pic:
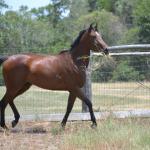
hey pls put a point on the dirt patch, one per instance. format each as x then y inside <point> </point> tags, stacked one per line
<point>29,136</point>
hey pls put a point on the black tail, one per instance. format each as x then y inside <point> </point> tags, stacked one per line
<point>3,58</point>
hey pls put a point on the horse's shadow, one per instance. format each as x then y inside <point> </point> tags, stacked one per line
<point>32,130</point>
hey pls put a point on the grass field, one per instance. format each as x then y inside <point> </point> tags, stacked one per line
<point>106,96</point>
<point>111,134</point>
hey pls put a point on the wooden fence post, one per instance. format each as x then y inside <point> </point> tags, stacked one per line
<point>87,88</point>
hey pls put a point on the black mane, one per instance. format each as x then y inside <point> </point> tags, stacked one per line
<point>77,40</point>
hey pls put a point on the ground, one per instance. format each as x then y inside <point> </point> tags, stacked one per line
<point>111,134</point>
<point>29,135</point>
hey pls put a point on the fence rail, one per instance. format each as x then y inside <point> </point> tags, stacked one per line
<point>130,47</point>
<point>124,54</point>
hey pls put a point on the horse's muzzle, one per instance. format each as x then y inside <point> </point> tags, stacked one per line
<point>106,52</point>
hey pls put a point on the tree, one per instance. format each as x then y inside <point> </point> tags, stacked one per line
<point>92,5</point>
<point>124,72</point>
<point>108,5</point>
<point>142,19</point>
<point>2,5</point>
<point>109,25</point>
<point>78,8</point>
<point>53,12</point>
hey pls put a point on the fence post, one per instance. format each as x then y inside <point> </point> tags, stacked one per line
<point>87,88</point>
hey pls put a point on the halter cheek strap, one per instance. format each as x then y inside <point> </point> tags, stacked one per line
<point>84,58</point>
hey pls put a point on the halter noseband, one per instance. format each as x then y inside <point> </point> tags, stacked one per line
<point>106,52</point>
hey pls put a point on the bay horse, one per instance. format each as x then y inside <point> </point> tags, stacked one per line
<point>64,71</point>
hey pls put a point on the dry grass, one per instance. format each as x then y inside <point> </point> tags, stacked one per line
<point>127,134</point>
<point>130,134</point>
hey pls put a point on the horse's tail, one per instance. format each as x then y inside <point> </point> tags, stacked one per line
<point>3,58</point>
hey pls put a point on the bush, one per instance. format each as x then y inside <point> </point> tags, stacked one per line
<point>124,72</point>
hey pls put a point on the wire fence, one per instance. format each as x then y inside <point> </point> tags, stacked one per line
<point>121,82</point>
<point>118,83</point>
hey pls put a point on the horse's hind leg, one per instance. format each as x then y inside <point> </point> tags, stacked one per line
<point>3,104</point>
<point>8,98</point>
<point>13,107</point>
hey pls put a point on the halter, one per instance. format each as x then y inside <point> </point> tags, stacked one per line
<point>84,57</point>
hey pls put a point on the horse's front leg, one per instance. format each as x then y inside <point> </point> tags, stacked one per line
<point>81,95</point>
<point>71,100</point>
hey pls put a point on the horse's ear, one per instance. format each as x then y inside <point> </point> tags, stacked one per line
<point>96,27</point>
<point>91,27</point>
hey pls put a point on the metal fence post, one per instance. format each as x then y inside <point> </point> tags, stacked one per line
<point>87,88</point>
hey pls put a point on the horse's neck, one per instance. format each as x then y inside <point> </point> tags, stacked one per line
<point>81,56</point>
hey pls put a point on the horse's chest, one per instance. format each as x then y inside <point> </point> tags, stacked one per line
<point>76,77</point>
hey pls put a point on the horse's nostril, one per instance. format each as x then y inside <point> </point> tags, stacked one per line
<point>106,51</point>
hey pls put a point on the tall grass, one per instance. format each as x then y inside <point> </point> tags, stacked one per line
<point>111,134</point>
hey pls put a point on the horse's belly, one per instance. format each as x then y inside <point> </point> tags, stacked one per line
<point>51,83</point>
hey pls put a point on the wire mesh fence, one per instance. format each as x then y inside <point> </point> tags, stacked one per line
<point>121,96</point>
<point>121,83</point>
<point>118,83</point>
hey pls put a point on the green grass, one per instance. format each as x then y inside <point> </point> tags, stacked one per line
<point>106,96</point>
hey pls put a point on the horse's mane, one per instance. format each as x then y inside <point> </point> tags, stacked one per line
<point>77,40</point>
<point>63,51</point>
<point>75,43</point>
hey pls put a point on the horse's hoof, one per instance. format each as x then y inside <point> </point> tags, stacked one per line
<point>94,126</point>
<point>63,126</point>
<point>13,123</point>
<point>5,128</point>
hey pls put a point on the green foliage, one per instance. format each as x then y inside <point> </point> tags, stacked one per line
<point>108,5</point>
<point>2,5</point>
<point>124,72</point>
<point>142,18</point>
<point>130,36</point>
<point>78,8</point>
<point>106,22</point>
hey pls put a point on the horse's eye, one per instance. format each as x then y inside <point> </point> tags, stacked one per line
<point>94,37</point>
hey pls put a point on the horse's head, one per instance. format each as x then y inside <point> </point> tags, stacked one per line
<point>93,39</point>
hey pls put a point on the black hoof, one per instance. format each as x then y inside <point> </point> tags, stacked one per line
<point>63,125</point>
<point>5,127</point>
<point>14,123</point>
<point>94,125</point>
